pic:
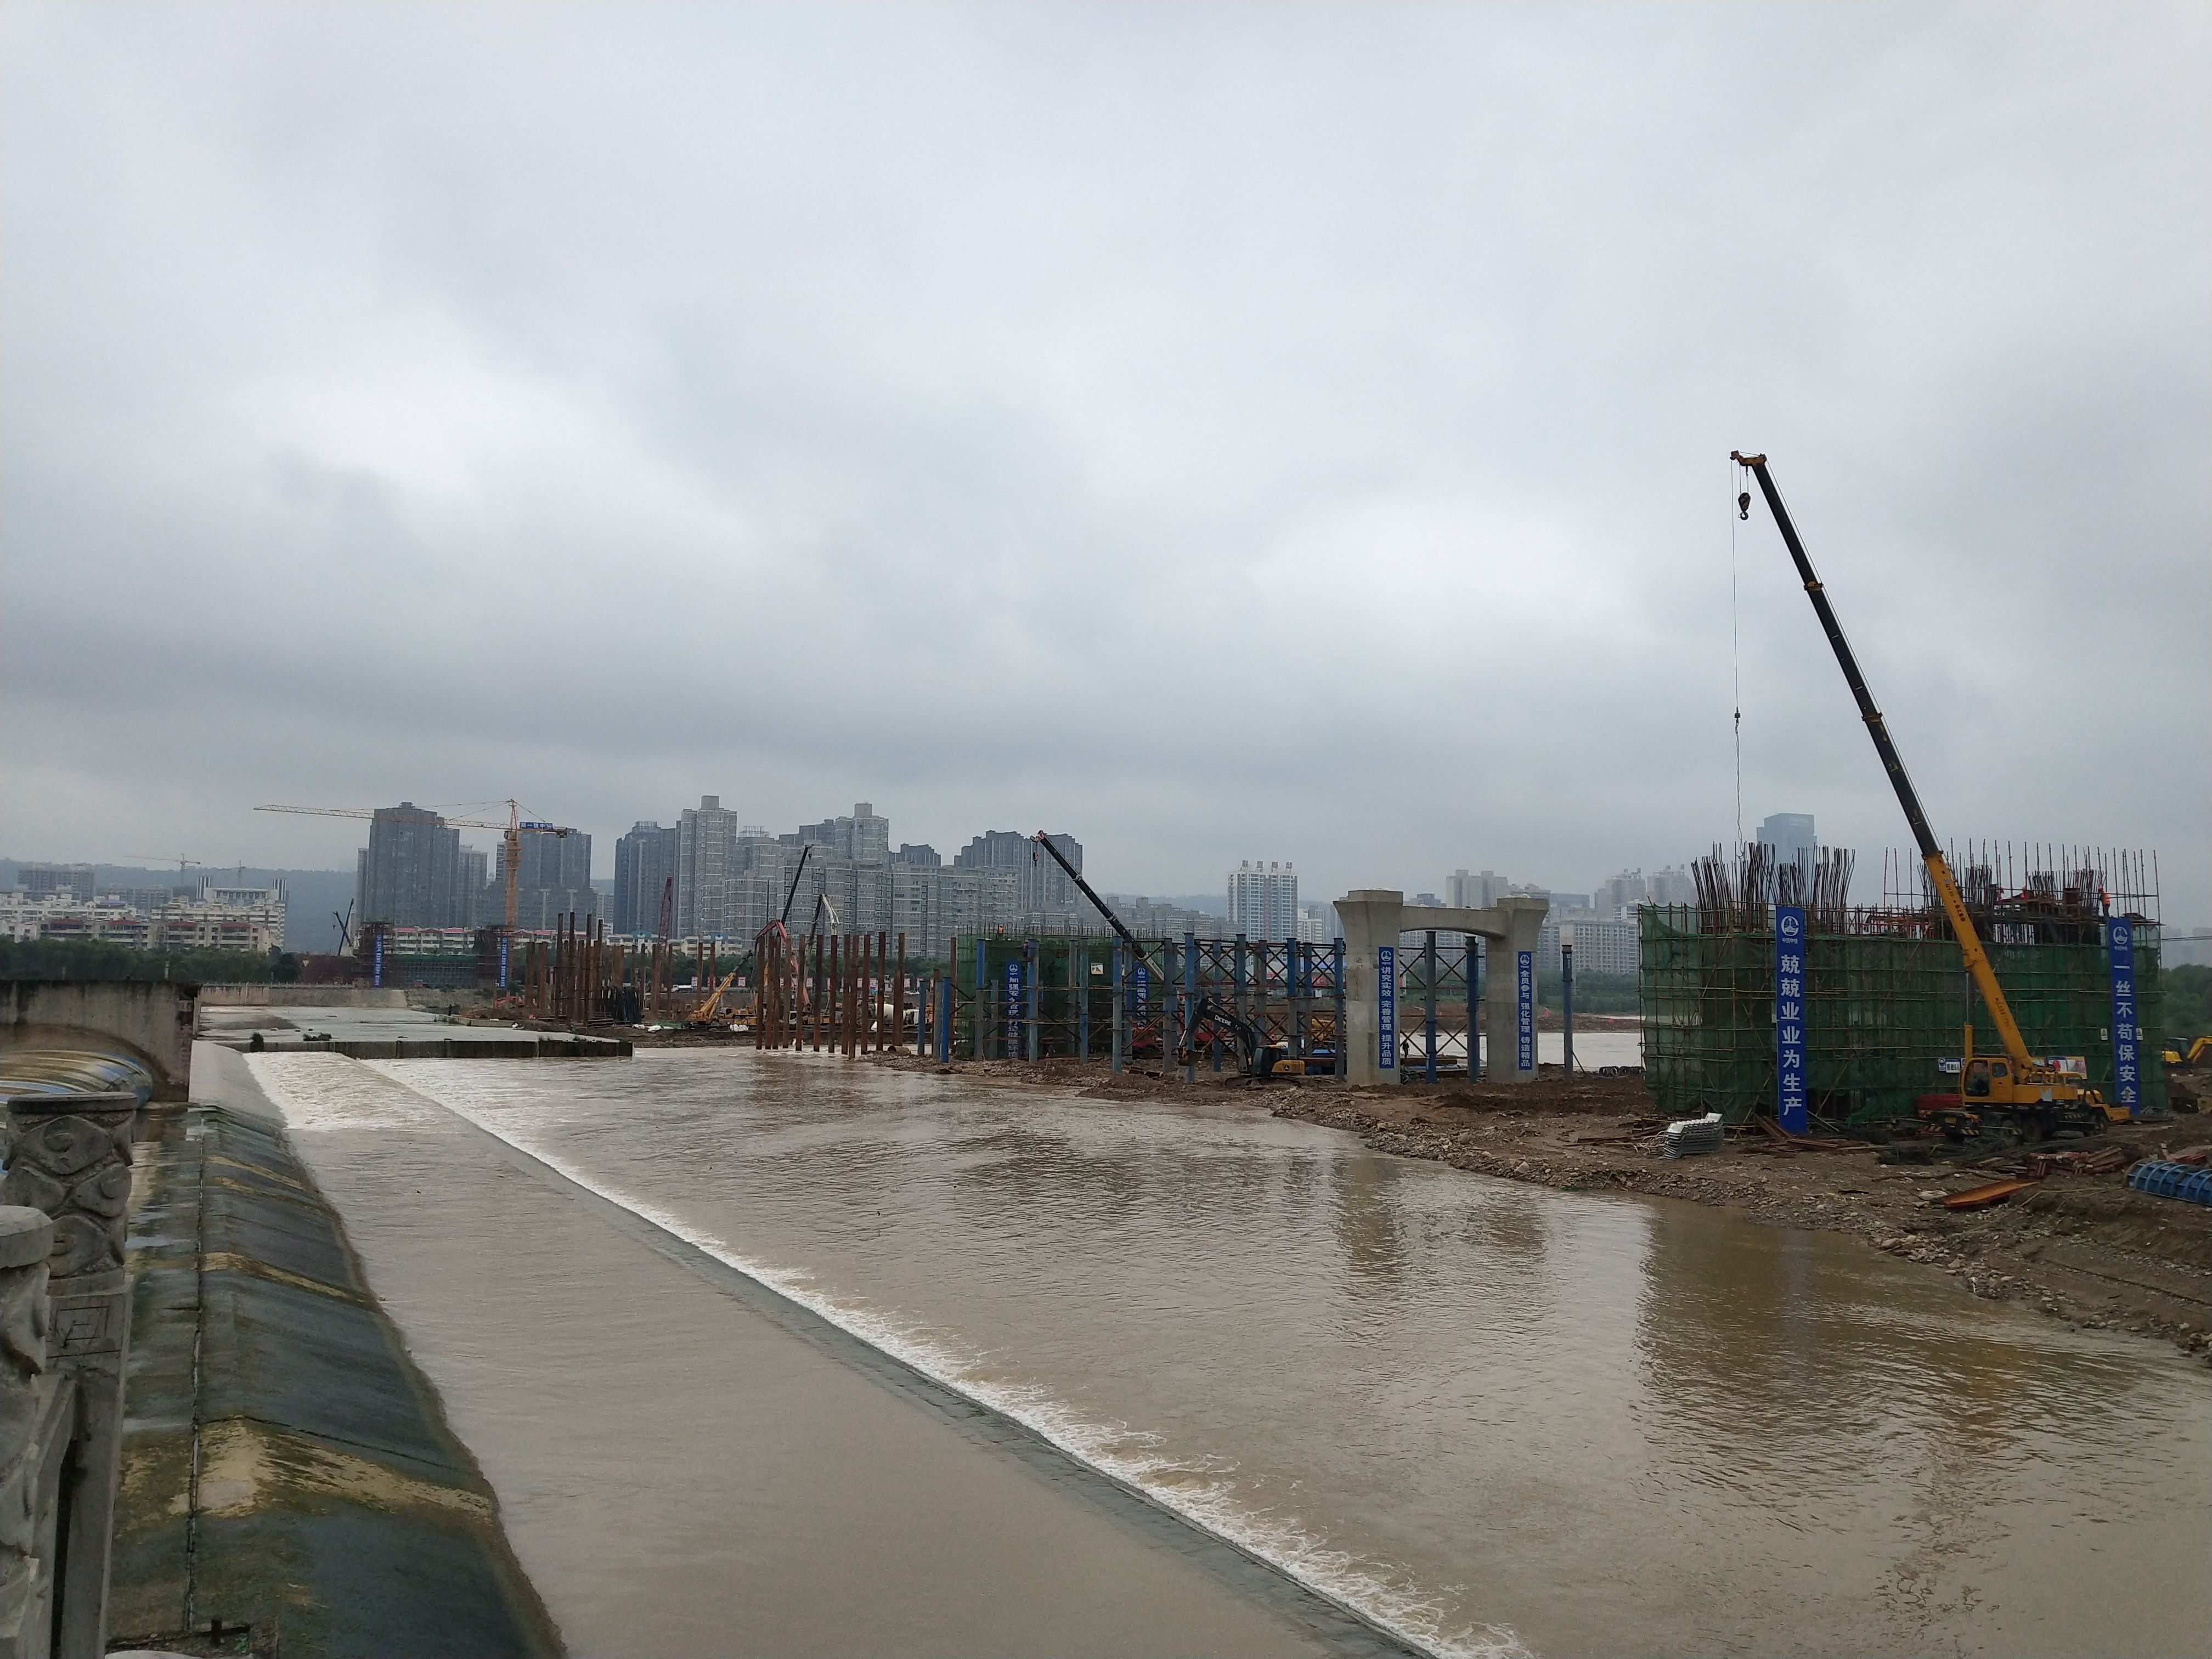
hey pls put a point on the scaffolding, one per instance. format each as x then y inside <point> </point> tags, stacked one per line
<point>1886,997</point>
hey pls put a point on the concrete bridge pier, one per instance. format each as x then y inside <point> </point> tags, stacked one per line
<point>1375,916</point>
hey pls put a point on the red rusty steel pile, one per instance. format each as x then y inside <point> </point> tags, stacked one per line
<point>850,999</point>
<point>579,975</point>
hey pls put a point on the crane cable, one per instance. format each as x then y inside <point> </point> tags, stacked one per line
<point>1735,652</point>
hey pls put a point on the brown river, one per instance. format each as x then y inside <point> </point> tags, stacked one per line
<point>1491,1417</point>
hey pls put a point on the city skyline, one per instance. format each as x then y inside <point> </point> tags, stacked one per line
<point>575,854</point>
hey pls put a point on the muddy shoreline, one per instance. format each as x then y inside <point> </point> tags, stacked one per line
<point>2080,1248</point>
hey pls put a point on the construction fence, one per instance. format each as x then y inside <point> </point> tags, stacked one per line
<point>1885,1003</point>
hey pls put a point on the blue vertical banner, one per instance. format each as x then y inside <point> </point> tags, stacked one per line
<point>376,973</point>
<point>1524,1010</point>
<point>1014,1046</point>
<point>1790,1017</point>
<point>1386,1006</point>
<point>2127,1036</point>
<point>503,943</point>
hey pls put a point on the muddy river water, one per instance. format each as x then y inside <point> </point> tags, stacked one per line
<point>1492,1417</point>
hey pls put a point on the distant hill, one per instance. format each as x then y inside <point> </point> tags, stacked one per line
<point>1207,904</point>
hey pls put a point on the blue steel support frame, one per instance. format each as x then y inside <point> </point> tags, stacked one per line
<point>1032,1039</point>
<point>1336,970</point>
<point>1115,974</point>
<point>985,996</point>
<point>1189,998</point>
<point>1429,1007</point>
<point>1473,1004</point>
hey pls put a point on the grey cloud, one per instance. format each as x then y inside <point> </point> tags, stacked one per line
<point>1297,431</point>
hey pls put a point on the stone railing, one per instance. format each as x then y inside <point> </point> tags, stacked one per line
<point>65,1326</point>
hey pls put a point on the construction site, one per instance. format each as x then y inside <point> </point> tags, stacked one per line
<point>1989,1035</point>
<point>1885,998</point>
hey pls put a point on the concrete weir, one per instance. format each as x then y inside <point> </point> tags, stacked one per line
<point>688,1462</point>
<point>287,1475</point>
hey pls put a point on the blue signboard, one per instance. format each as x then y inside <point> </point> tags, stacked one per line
<point>376,972</point>
<point>503,943</point>
<point>1014,1046</point>
<point>1386,1006</point>
<point>1790,1017</point>
<point>2127,1036</point>
<point>1524,1010</point>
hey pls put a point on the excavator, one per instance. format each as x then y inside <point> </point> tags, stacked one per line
<point>2189,1053</point>
<point>1259,1056</point>
<point>2017,1090</point>
<point>779,929</point>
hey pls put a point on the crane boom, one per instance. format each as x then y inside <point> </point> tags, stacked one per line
<point>1075,876</point>
<point>804,851</point>
<point>1939,869</point>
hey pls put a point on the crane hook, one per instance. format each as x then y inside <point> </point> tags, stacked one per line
<point>1744,505</point>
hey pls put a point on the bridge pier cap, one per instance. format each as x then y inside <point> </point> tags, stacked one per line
<point>1375,916</point>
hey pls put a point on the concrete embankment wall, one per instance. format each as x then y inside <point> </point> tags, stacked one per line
<point>285,1467</point>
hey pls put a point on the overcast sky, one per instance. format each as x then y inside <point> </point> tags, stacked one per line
<point>1229,432</point>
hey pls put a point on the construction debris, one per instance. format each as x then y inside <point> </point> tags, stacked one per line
<point>2161,1178</point>
<point>1989,1193</point>
<point>1686,1136</point>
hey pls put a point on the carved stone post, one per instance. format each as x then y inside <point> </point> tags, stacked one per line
<point>26,1611</point>
<point>69,1156</point>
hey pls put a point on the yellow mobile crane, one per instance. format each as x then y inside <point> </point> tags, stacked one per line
<point>2019,1087</point>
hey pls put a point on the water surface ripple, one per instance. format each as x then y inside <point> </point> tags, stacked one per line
<point>1490,1415</point>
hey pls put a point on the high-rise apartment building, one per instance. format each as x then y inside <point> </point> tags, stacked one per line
<point>553,880</point>
<point>1618,896</point>
<point>410,874</point>
<point>645,861</point>
<point>1042,887</point>
<point>1790,835</point>
<point>706,861</point>
<point>864,837</point>
<point>1263,900</point>
<point>1466,891</point>
<point>79,881</point>
<point>486,905</point>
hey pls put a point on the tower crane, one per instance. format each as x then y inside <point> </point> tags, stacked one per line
<point>512,831</point>
<point>2020,1085</point>
<point>182,864</point>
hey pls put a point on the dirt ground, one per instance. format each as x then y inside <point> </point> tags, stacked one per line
<point>2079,1248</point>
